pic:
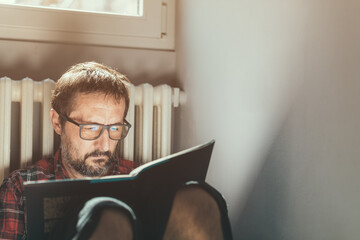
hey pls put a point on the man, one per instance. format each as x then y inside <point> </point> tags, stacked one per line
<point>89,107</point>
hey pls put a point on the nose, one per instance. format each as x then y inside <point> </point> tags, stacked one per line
<point>103,142</point>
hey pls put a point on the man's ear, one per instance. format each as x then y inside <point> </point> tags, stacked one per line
<point>55,120</point>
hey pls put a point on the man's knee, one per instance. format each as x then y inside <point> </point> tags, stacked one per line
<point>105,218</point>
<point>195,215</point>
<point>197,203</point>
<point>113,224</point>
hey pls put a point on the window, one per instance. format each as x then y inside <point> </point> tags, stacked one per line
<point>121,7</point>
<point>136,23</point>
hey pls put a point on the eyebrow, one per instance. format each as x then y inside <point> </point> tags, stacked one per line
<point>96,123</point>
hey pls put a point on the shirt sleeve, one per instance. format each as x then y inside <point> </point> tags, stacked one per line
<point>12,221</point>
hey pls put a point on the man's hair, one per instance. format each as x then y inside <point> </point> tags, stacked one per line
<point>89,77</point>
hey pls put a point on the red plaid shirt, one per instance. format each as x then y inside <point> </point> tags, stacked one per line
<point>12,213</point>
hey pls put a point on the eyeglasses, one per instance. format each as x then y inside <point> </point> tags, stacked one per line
<point>93,131</point>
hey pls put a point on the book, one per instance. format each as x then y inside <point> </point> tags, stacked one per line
<point>149,190</point>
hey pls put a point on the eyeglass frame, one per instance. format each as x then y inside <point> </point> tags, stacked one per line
<point>127,124</point>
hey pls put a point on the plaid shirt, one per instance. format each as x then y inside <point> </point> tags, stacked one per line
<point>12,213</point>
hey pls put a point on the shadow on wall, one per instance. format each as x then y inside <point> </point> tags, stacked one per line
<point>154,80</point>
<point>263,215</point>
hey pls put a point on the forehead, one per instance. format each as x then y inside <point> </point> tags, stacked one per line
<point>96,103</point>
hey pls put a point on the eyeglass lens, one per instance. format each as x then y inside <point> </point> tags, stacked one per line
<point>93,131</point>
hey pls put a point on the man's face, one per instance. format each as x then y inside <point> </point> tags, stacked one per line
<point>90,157</point>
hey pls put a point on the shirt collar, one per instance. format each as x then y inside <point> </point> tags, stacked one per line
<point>60,172</point>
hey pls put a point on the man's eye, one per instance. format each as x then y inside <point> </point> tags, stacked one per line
<point>92,128</point>
<point>114,128</point>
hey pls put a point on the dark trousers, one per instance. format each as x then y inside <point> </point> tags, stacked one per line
<point>82,220</point>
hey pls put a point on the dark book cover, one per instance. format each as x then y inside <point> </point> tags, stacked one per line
<point>148,190</point>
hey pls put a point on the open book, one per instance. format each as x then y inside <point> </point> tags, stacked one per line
<point>148,190</point>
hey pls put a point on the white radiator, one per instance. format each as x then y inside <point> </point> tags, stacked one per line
<point>150,114</point>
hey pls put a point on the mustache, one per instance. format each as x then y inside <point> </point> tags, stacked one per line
<point>98,153</point>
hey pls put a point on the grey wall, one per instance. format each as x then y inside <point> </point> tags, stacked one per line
<point>276,83</point>
<point>37,60</point>
<point>308,187</point>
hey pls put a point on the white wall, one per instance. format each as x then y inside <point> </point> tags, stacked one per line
<point>240,63</point>
<point>276,83</point>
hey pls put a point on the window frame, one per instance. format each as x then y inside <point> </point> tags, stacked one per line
<point>154,30</point>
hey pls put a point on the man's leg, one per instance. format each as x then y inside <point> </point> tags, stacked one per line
<point>113,224</point>
<point>105,218</point>
<point>196,214</point>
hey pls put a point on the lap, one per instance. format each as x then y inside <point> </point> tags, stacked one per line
<point>195,208</point>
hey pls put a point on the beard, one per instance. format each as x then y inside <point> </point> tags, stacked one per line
<point>80,165</point>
